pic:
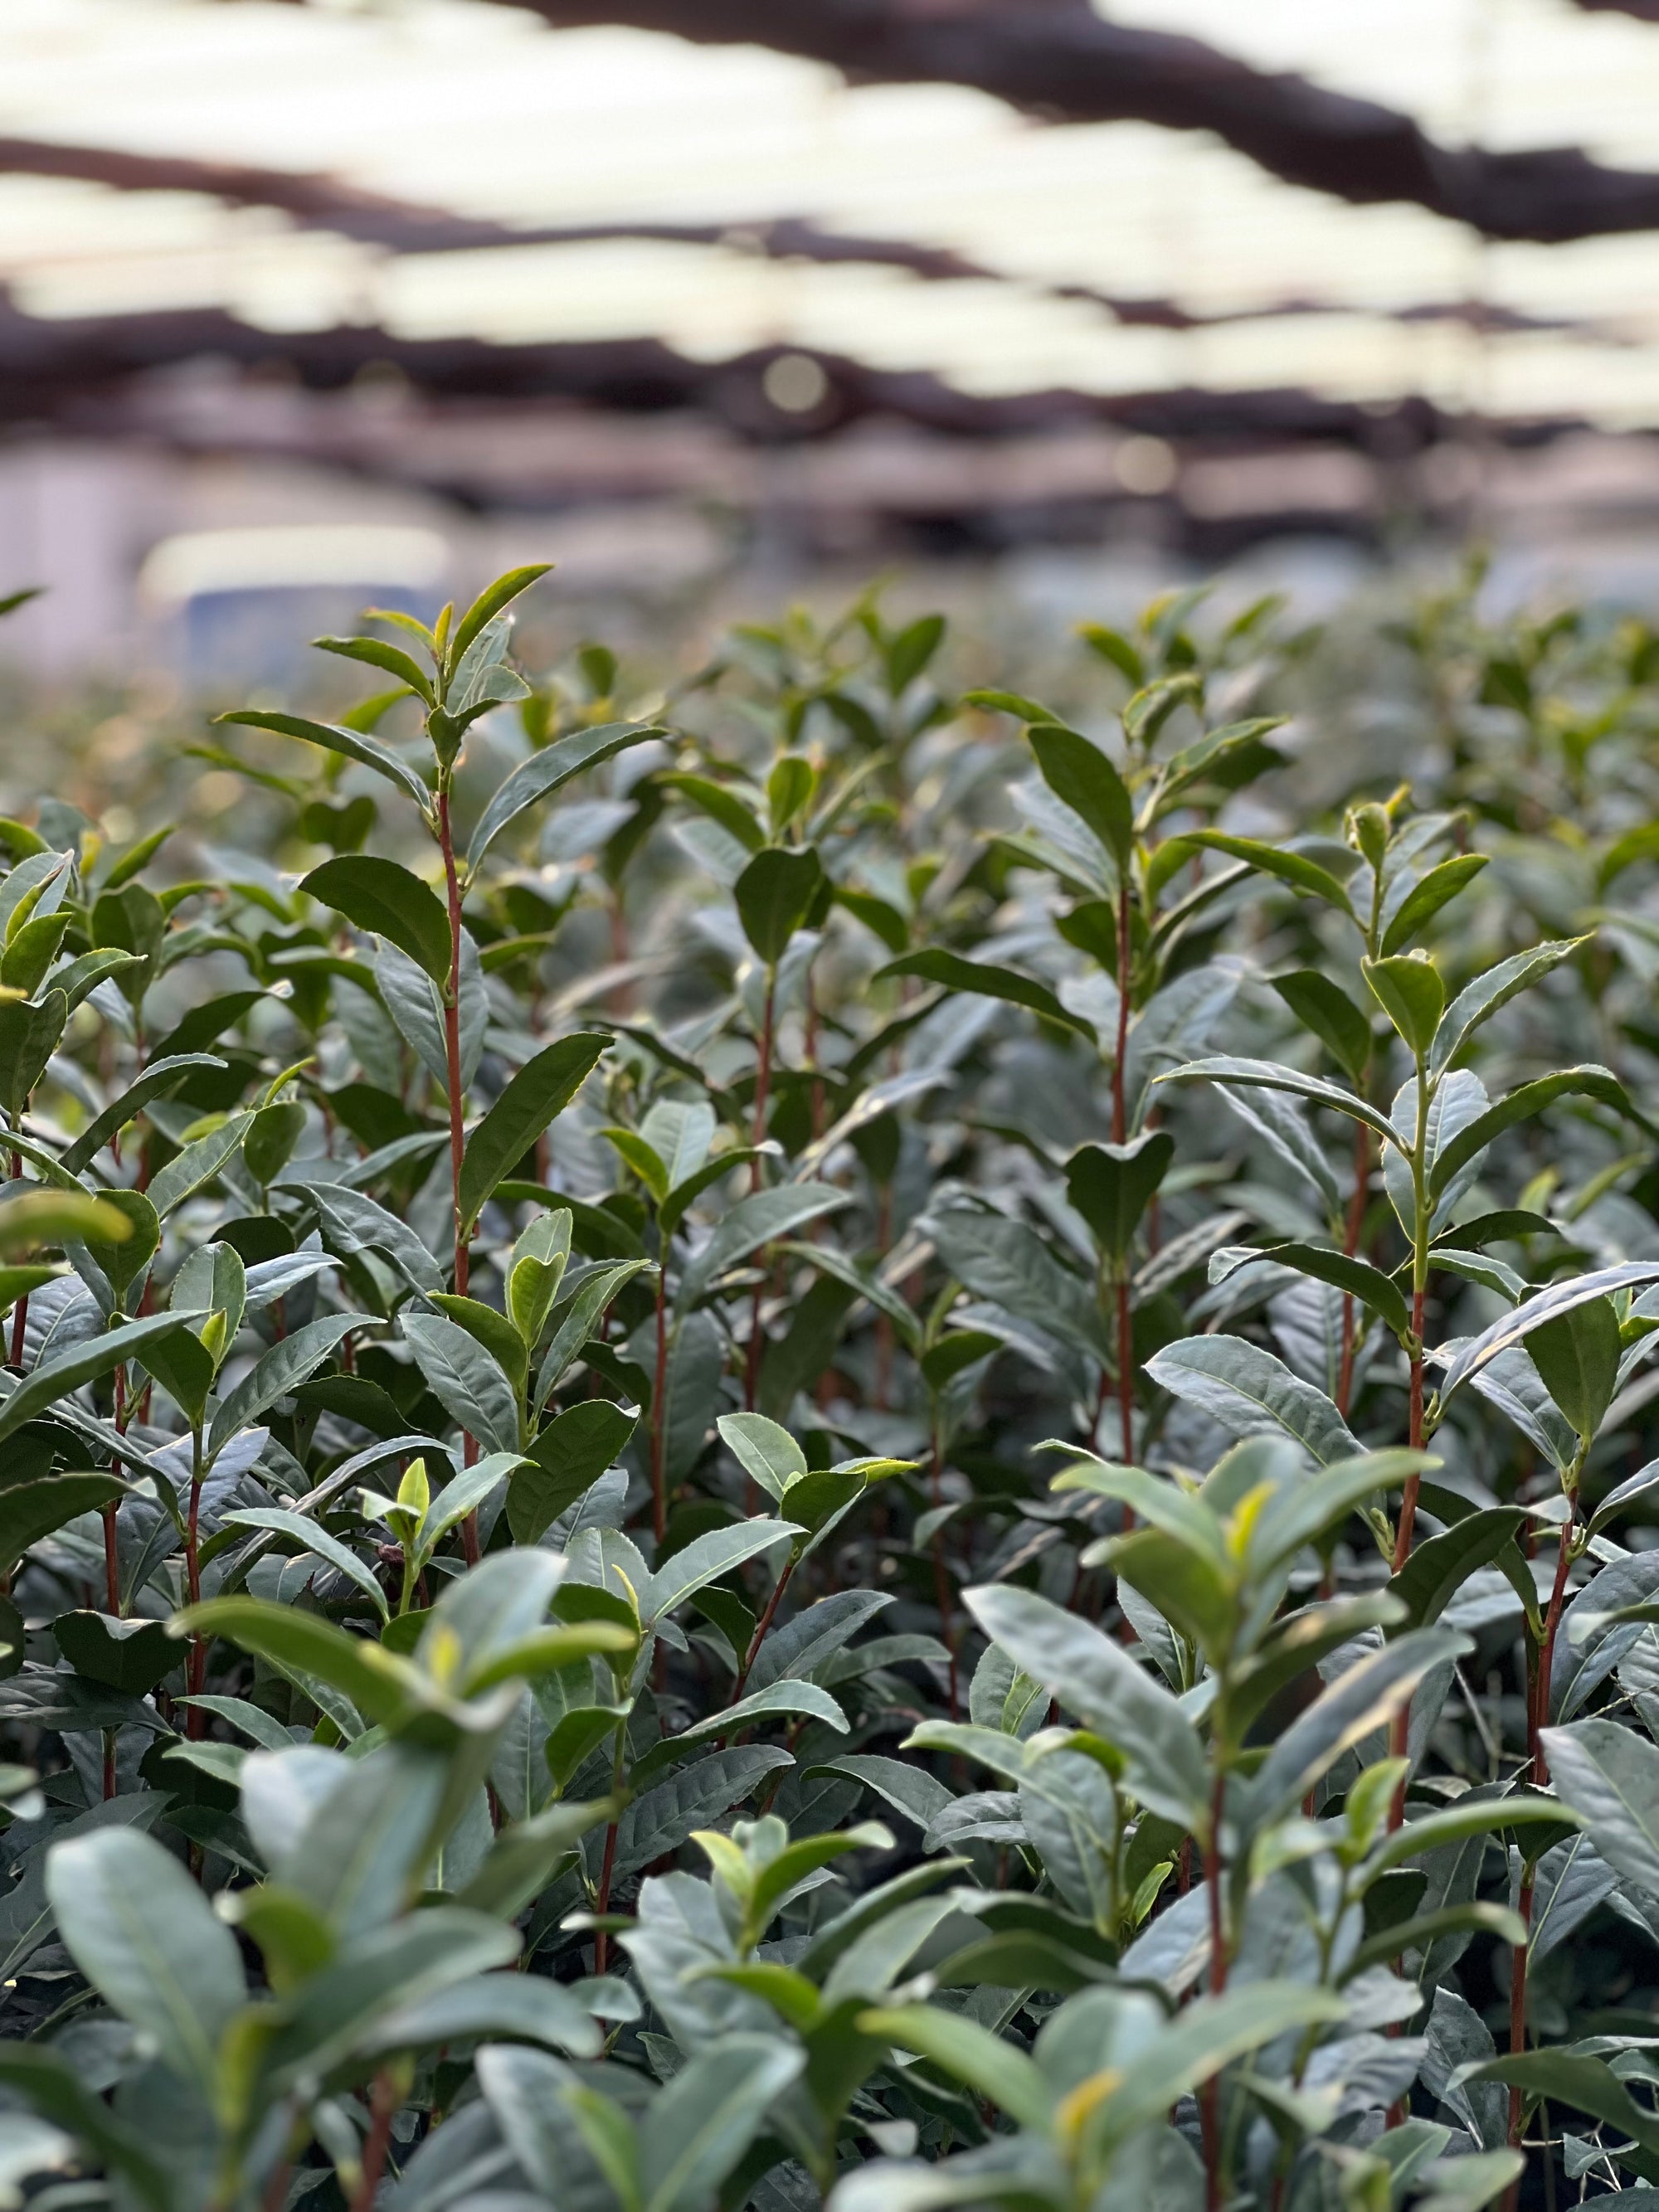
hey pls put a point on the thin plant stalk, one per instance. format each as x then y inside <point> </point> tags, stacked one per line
<point>1125,1375</point>
<point>20,1319</point>
<point>1538,1701</point>
<point>1126,1380</point>
<point>1422,1223</point>
<point>1119,1104</point>
<point>941,1571</point>
<point>196,1671</point>
<point>1214,1876</point>
<point>762,1094</point>
<point>1353,1230</point>
<point>1518,2028</point>
<point>762,1625</point>
<point>658,1407</point>
<point>453,1034</point>
<point>112,1552</point>
<point>383,2110</point>
<point>602,1894</point>
<point>456,1105</point>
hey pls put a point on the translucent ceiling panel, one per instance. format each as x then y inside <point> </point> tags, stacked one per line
<point>480,109</point>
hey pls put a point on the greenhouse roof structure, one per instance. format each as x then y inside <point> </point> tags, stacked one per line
<point>773,221</point>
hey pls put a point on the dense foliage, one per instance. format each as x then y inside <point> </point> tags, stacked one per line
<point>808,1441</point>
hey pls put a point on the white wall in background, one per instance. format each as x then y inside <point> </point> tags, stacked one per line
<point>86,521</point>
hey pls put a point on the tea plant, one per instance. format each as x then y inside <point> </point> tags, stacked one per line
<point>824,1443</point>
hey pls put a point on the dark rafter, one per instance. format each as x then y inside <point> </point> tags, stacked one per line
<point>1646,11</point>
<point>314,201</point>
<point>48,366</point>
<point>995,496</point>
<point>317,201</point>
<point>1058,59</point>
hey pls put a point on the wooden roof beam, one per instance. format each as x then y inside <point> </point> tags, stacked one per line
<point>1059,60</point>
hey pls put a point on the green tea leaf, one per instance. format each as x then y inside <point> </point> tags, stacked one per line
<point>564,1462</point>
<point>1577,1353</point>
<point>1427,896</point>
<point>382,897</point>
<point>334,738</point>
<point>1290,867</point>
<point>1411,994</point>
<point>55,1378</point>
<point>1250,1393</point>
<point>1095,1679</point>
<point>1111,1186</point>
<point>981,977</point>
<point>1081,777</point>
<point>776,893</point>
<point>1380,1292</point>
<point>466,1381</point>
<point>490,602</point>
<point>547,771</point>
<point>147,1940</point>
<point>30,1510</point>
<point>38,1218</point>
<point>1325,1009</point>
<point>534,1097</point>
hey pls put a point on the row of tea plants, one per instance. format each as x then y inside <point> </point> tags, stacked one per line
<point>807,1441</point>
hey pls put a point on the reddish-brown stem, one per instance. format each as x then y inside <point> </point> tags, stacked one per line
<point>763,1093</point>
<point>196,1671</point>
<point>812,1051</point>
<point>942,1573</point>
<point>20,1319</point>
<point>1398,1747</point>
<point>383,2110</point>
<point>761,1628</point>
<point>191,1564</point>
<point>1210,2094</point>
<point>1356,1223</point>
<point>1408,1493</point>
<point>1213,1872</point>
<point>884,1322</point>
<point>1400,1728</point>
<point>757,1342</point>
<point>1126,1382</point>
<point>452,1036</point>
<point>602,1901</point>
<point>112,1563</point>
<point>763,1074</point>
<point>112,1548</point>
<point>1402,1542</point>
<point>1538,1705</point>
<point>457,1107</point>
<point>1125,1387</point>
<point>620,996</point>
<point>659,1393</point>
<point>1120,1110</point>
<point>1518,2027</point>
